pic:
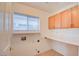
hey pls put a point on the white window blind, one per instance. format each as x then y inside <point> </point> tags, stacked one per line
<point>33,23</point>
<point>19,22</point>
<point>25,23</point>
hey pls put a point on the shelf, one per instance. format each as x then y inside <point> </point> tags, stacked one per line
<point>27,32</point>
<point>72,42</point>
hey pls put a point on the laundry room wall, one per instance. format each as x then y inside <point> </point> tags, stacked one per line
<point>5,30</point>
<point>59,37</point>
<point>30,45</point>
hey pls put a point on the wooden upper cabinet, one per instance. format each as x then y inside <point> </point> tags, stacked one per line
<point>66,19</point>
<point>51,22</point>
<point>58,20</point>
<point>75,17</point>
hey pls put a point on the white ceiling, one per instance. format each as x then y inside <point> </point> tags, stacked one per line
<point>49,6</point>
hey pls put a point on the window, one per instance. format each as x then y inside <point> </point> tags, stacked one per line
<point>19,22</point>
<point>33,23</point>
<point>7,22</point>
<point>25,23</point>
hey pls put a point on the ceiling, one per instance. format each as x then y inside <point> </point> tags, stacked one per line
<point>50,6</point>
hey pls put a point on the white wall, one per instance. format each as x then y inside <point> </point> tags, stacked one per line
<point>64,35</point>
<point>29,47</point>
<point>4,34</point>
<point>78,51</point>
<point>64,49</point>
<point>45,44</point>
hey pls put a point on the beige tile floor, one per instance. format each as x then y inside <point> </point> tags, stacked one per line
<point>50,53</point>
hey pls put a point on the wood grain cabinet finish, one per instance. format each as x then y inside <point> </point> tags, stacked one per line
<point>51,22</point>
<point>58,21</point>
<point>75,17</point>
<point>66,19</point>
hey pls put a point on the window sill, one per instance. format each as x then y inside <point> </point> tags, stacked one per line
<point>27,32</point>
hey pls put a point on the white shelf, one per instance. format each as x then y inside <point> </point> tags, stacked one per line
<point>73,41</point>
<point>26,32</point>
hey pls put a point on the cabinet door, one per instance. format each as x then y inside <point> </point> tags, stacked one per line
<point>51,22</point>
<point>58,20</point>
<point>66,19</point>
<point>75,17</point>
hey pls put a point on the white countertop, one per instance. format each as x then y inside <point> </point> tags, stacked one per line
<point>70,36</point>
<point>73,42</point>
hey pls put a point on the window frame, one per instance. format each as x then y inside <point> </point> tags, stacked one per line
<point>26,31</point>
